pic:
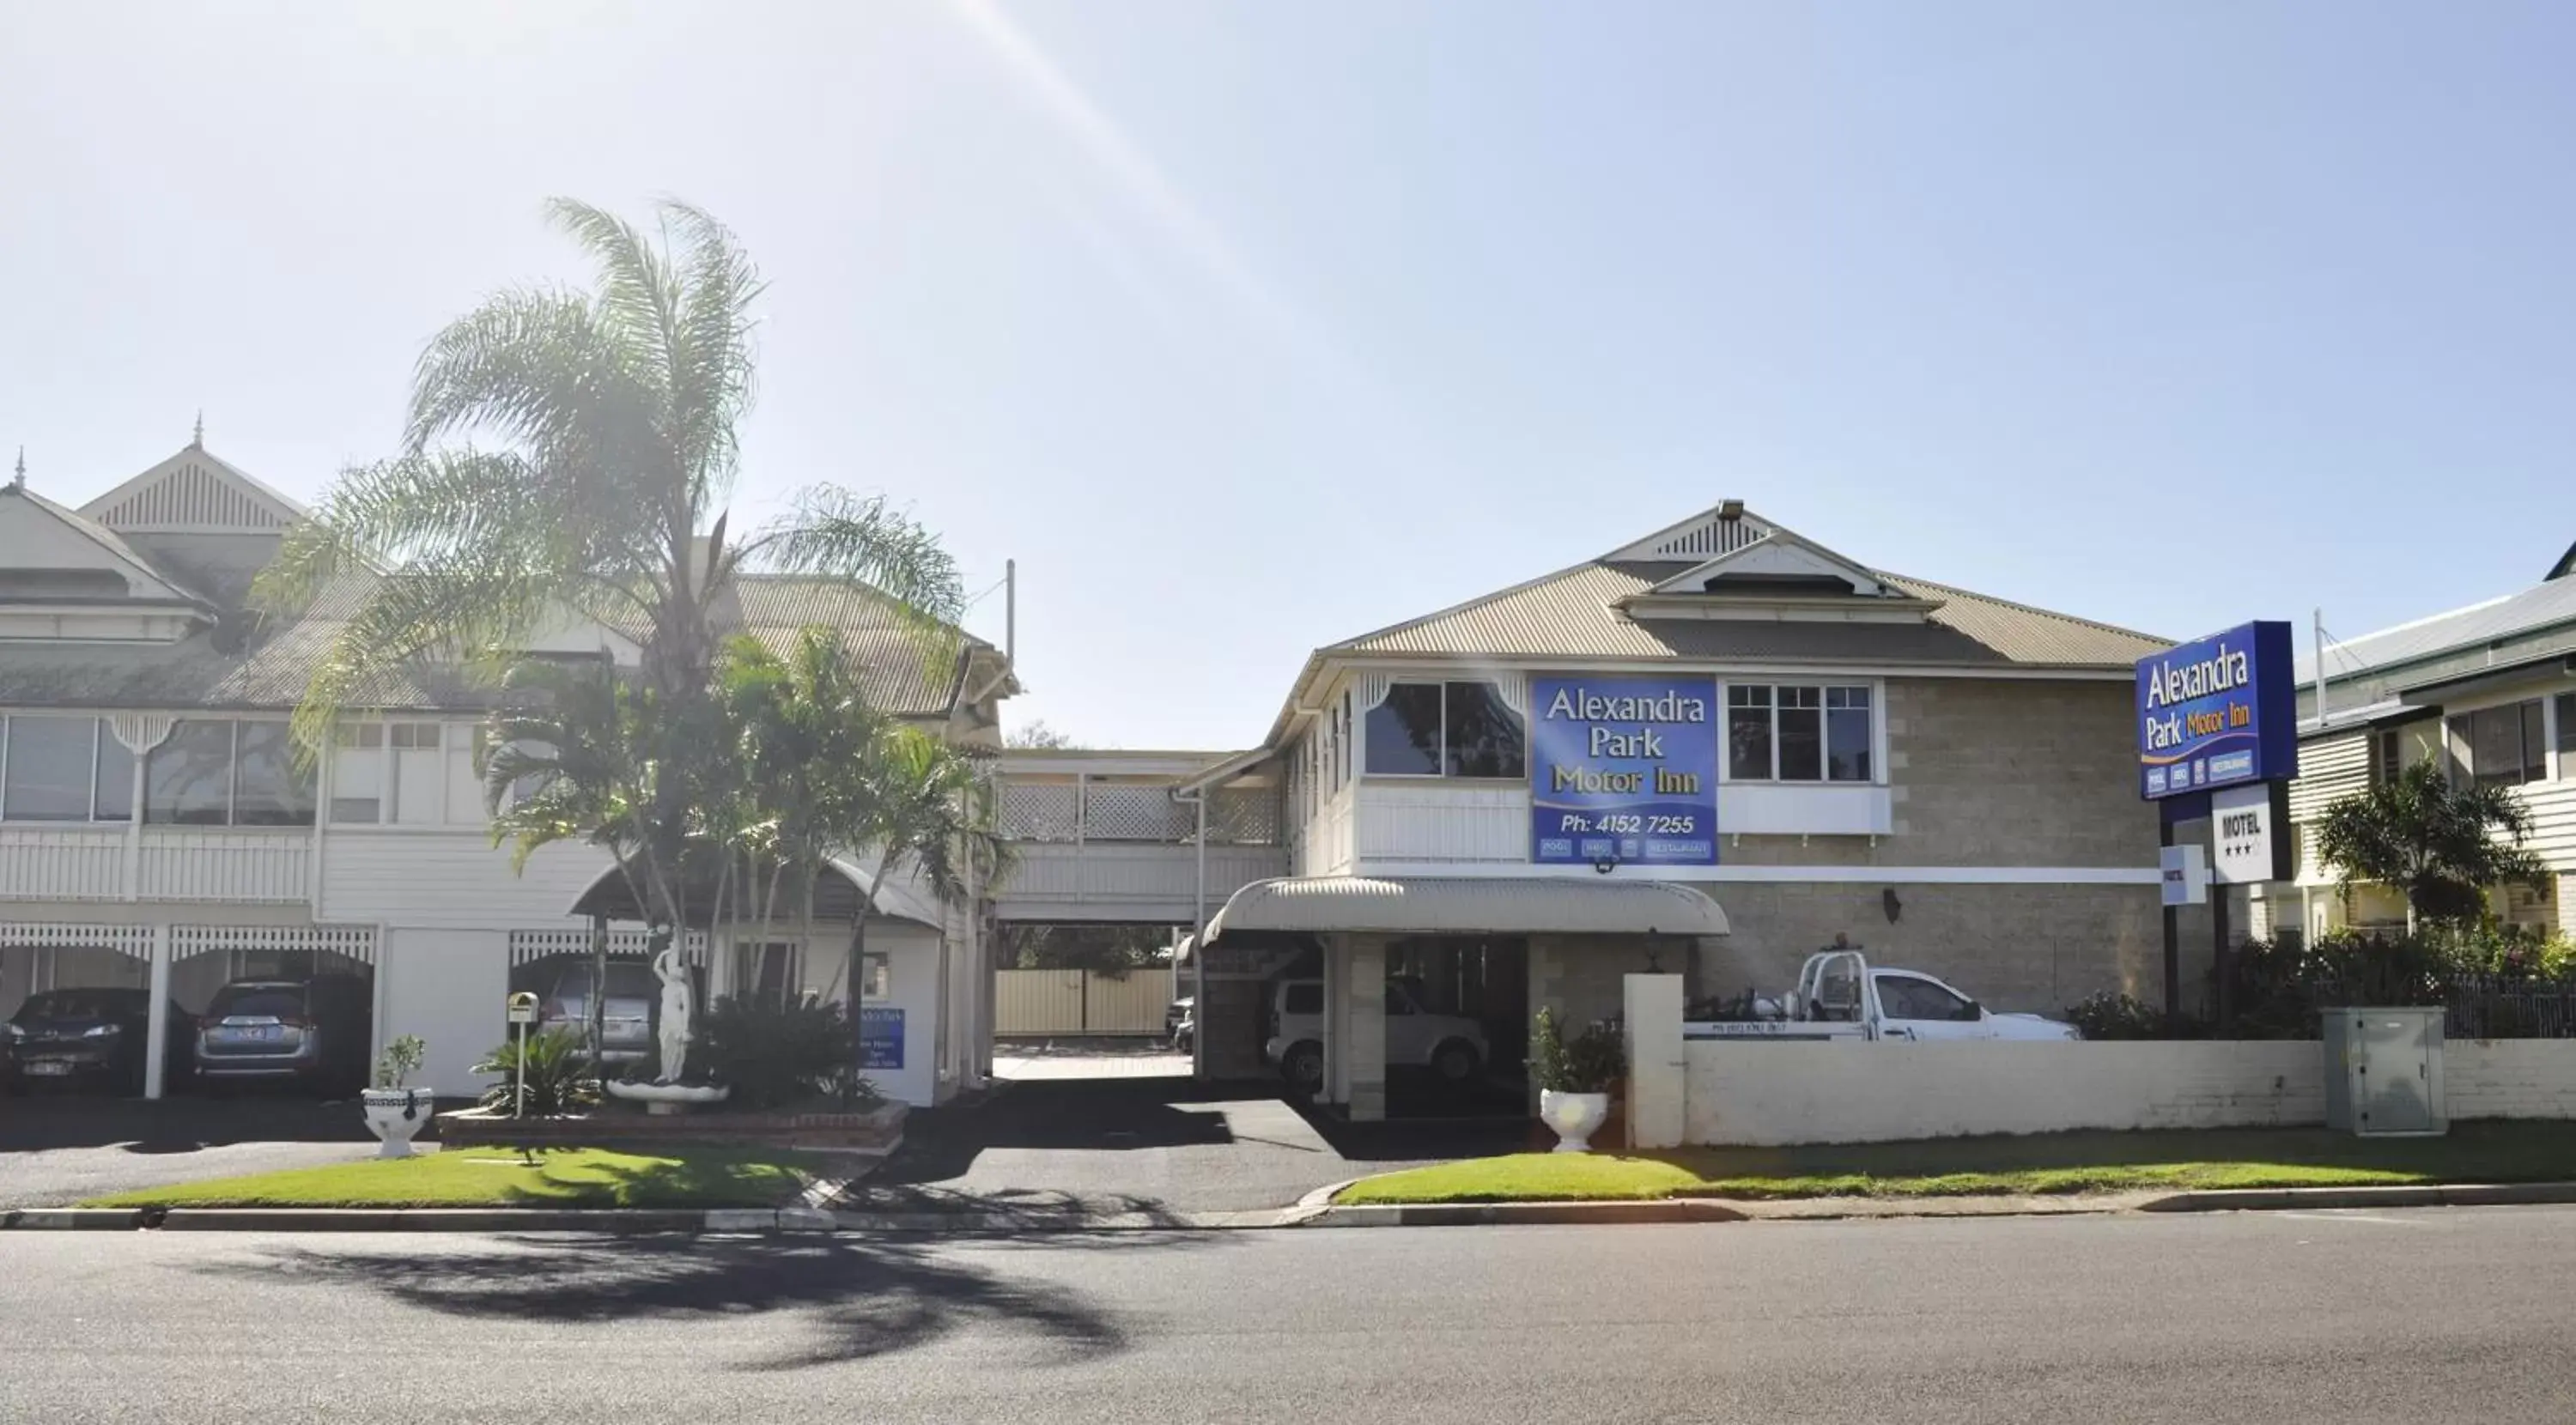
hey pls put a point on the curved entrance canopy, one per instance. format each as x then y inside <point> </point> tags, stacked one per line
<point>1495,905</point>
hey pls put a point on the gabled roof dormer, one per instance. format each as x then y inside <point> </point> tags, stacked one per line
<point>194,492</point>
<point>1745,567</point>
<point>64,578</point>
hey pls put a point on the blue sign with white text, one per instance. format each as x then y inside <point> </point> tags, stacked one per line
<point>1623,769</point>
<point>880,1037</point>
<point>2218,711</point>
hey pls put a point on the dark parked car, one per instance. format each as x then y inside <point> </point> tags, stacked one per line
<point>83,1037</point>
<point>313,1031</point>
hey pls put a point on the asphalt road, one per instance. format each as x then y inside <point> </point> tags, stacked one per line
<point>62,1149</point>
<point>1045,1150</point>
<point>2449,1315</point>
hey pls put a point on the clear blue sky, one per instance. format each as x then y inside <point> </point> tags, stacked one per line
<point>1246,327</point>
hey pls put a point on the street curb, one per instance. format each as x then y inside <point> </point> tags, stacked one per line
<point>721,1221</point>
<point>2403,1195</point>
<point>1496,1214</point>
<point>70,1219</point>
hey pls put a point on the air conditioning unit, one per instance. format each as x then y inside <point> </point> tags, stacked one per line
<point>2384,1071</point>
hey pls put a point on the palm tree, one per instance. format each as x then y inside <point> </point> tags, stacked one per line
<point>915,805</point>
<point>605,495</point>
<point>2441,844</point>
<point>803,740</point>
<point>577,757</point>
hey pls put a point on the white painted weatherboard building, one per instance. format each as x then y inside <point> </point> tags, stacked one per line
<point>155,831</point>
<point>2488,692</point>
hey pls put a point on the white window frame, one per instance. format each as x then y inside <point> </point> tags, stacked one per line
<point>1441,772</point>
<point>98,732</point>
<point>2465,767</point>
<point>1875,687</point>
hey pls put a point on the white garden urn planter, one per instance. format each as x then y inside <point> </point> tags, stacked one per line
<point>1574,1116</point>
<point>394,1115</point>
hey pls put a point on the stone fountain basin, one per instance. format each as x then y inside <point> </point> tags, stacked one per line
<point>668,1098</point>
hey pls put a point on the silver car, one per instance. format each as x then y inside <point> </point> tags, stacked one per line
<point>627,1032</point>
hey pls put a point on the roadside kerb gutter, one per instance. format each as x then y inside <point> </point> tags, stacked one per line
<point>816,1221</point>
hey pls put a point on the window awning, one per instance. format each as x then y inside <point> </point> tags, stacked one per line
<point>1498,905</point>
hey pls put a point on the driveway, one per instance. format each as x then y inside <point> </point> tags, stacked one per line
<point>62,1149</point>
<point>1028,1060</point>
<point>1049,1149</point>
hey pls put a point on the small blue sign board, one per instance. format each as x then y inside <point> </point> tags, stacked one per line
<point>880,1037</point>
<point>1623,769</point>
<point>2218,711</point>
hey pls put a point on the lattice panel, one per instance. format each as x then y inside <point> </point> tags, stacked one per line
<point>527,945</point>
<point>1112,812</point>
<point>354,942</point>
<point>134,940</point>
<point>1041,811</point>
<point>1244,816</point>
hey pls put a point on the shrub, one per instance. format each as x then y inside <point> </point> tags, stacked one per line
<point>555,1066</point>
<point>771,1054</point>
<point>400,1061</point>
<point>2117,1016</point>
<point>1589,1063</point>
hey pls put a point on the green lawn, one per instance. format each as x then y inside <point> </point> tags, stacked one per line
<point>2495,1151</point>
<point>501,1177</point>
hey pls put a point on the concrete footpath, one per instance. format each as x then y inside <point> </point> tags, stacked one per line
<point>1317,1211</point>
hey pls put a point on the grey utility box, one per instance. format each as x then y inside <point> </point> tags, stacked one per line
<point>2384,1071</point>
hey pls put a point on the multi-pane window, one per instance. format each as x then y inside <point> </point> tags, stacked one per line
<point>1445,730</point>
<point>2503,746</point>
<point>358,773</point>
<point>2387,756</point>
<point>2565,710</point>
<point>1798,732</point>
<point>206,772</point>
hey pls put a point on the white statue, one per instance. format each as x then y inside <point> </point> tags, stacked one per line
<point>675,1014</point>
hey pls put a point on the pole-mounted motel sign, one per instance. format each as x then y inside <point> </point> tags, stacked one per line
<point>1623,771</point>
<point>2218,738</point>
<point>2218,725</point>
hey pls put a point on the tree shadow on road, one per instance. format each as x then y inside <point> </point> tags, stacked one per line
<point>860,1298</point>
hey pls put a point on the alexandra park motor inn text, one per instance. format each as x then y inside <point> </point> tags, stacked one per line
<point>2217,711</point>
<point>1623,769</point>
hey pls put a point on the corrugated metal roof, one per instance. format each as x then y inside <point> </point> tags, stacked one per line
<point>2540,607</point>
<point>1428,905</point>
<point>106,539</point>
<point>273,672</point>
<point>1570,614</point>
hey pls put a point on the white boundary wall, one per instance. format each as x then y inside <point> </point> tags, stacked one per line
<point>1782,1093</point>
<point>2510,1078</point>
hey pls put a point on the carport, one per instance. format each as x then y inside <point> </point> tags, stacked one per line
<point>172,961</point>
<point>1581,937</point>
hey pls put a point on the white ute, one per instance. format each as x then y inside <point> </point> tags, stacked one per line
<point>1840,997</point>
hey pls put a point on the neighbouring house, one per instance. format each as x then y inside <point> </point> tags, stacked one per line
<point>155,828</point>
<point>1724,728</point>
<point>2489,693</point>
